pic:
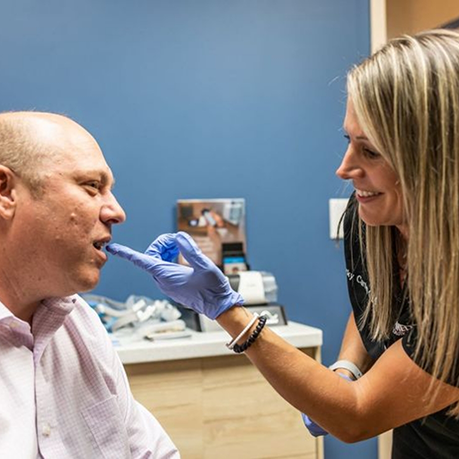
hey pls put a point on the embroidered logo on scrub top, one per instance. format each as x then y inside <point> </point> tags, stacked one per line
<point>359,279</point>
<point>400,329</point>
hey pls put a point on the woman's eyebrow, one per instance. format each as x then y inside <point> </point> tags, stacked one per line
<point>346,132</point>
<point>359,137</point>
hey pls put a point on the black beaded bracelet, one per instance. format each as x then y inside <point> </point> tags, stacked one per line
<point>251,339</point>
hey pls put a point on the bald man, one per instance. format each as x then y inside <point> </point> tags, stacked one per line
<point>63,390</point>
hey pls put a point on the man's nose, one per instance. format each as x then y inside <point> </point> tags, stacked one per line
<point>112,212</point>
<point>349,168</point>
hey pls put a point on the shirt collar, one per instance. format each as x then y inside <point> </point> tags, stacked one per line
<point>59,306</point>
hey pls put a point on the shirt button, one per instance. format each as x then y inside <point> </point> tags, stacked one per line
<point>46,430</point>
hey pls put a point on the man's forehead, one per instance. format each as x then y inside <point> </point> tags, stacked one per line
<point>43,120</point>
<point>48,128</point>
<point>70,147</point>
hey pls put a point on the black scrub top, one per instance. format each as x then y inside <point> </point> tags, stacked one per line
<point>437,435</point>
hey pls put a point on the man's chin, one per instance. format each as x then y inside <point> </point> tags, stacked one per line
<point>88,283</point>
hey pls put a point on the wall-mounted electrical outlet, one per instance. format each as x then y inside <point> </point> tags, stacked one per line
<point>336,209</point>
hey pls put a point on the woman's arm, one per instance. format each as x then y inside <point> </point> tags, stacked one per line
<point>352,349</point>
<point>393,391</point>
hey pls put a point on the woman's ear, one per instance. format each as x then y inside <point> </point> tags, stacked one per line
<point>8,192</point>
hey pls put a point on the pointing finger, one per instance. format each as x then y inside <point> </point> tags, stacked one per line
<point>139,259</point>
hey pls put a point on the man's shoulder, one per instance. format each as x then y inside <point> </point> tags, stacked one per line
<point>85,330</point>
<point>85,318</point>
<point>82,308</point>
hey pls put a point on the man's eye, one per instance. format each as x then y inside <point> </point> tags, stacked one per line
<point>95,185</point>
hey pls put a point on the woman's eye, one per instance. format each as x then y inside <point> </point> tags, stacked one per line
<point>370,153</point>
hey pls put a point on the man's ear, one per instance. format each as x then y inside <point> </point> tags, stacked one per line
<point>8,192</point>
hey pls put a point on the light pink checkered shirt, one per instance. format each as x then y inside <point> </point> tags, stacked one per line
<point>64,392</point>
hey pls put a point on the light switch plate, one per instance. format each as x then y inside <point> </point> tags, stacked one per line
<point>336,209</point>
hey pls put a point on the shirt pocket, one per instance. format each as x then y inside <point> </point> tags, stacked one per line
<point>107,429</point>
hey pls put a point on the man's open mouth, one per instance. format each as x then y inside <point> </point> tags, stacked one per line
<point>99,245</point>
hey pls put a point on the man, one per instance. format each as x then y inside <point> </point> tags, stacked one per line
<point>63,390</point>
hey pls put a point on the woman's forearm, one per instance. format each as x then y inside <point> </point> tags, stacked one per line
<point>303,382</point>
<point>352,349</point>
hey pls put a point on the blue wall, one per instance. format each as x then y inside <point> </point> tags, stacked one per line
<point>207,99</point>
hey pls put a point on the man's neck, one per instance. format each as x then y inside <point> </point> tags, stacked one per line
<point>24,312</point>
<point>16,299</point>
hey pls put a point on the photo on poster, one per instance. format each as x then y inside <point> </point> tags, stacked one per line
<point>218,227</point>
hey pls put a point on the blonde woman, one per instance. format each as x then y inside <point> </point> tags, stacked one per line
<point>401,343</point>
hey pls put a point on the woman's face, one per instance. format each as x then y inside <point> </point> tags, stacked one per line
<point>376,184</point>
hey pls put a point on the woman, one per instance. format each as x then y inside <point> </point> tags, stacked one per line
<point>402,255</point>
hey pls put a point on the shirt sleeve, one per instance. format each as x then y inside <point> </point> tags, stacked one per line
<point>409,341</point>
<point>147,438</point>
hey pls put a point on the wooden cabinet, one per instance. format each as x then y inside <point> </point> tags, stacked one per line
<point>220,407</point>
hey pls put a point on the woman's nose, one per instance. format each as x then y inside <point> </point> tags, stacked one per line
<point>349,167</point>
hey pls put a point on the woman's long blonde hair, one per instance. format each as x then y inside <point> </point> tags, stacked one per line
<point>406,98</point>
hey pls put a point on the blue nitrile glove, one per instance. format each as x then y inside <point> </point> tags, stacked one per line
<point>202,287</point>
<point>314,429</point>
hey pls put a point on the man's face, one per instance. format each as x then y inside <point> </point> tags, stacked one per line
<point>64,229</point>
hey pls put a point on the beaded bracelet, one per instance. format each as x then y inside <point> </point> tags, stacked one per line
<point>251,339</point>
<point>233,342</point>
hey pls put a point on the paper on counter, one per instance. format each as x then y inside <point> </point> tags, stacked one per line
<point>251,287</point>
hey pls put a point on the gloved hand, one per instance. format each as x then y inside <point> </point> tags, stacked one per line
<point>202,287</point>
<point>314,429</point>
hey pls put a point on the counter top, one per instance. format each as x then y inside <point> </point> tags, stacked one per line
<point>205,344</point>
